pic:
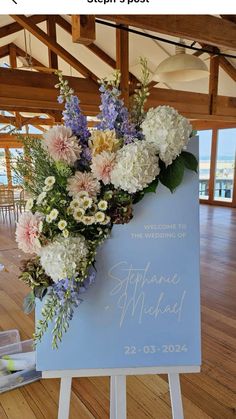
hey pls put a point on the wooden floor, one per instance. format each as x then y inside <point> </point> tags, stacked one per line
<point>210,394</point>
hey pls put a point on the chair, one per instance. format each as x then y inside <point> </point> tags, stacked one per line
<point>7,204</point>
<point>20,202</point>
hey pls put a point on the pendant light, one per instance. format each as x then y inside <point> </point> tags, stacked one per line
<point>181,67</point>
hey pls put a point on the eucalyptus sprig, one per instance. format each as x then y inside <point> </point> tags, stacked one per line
<point>141,93</point>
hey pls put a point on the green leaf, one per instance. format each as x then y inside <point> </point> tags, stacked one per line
<point>172,176</point>
<point>152,187</point>
<point>190,161</point>
<point>138,197</point>
<point>29,303</point>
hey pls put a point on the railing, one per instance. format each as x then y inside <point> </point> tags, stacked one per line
<point>223,189</point>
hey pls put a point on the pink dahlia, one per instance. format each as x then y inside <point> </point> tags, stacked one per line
<point>62,145</point>
<point>102,165</point>
<point>28,231</point>
<point>83,181</point>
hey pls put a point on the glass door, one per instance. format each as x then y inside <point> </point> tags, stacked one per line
<point>225,165</point>
<point>205,144</point>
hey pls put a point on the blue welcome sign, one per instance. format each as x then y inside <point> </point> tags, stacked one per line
<point>144,309</point>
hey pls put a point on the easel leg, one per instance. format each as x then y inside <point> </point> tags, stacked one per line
<point>175,396</point>
<point>64,400</point>
<point>118,397</point>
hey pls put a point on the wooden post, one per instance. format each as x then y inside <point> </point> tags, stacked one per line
<point>213,84</point>
<point>13,64</point>
<point>12,55</point>
<point>8,166</point>
<point>122,61</point>
<point>51,31</point>
<point>83,29</point>
<point>213,165</point>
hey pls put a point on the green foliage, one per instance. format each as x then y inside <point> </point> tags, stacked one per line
<point>141,94</point>
<point>190,161</point>
<point>172,175</point>
<point>152,187</point>
<point>33,166</point>
<point>48,313</point>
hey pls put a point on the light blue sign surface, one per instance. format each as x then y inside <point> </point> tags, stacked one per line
<point>144,309</point>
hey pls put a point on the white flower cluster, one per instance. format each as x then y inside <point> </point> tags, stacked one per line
<point>61,259</point>
<point>85,210</point>
<point>136,166</point>
<point>168,130</point>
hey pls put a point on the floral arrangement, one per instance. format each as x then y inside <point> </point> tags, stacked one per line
<point>82,182</point>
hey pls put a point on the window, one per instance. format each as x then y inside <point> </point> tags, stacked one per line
<point>205,139</point>
<point>14,152</point>
<point>225,164</point>
<point>3,170</point>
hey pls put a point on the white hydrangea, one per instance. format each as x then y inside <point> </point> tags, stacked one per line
<point>168,130</point>
<point>61,259</point>
<point>136,166</point>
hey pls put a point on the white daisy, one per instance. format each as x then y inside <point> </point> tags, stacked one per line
<point>49,181</point>
<point>62,225</point>
<point>102,205</point>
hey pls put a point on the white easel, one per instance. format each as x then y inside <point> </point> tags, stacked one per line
<point>118,387</point>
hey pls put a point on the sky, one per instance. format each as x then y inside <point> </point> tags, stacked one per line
<point>226,142</point>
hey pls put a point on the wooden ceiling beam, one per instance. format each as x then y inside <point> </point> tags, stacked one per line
<point>35,92</point>
<point>230,18</point>
<point>213,84</point>
<point>4,51</point>
<point>16,27</point>
<point>54,46</point>
<point>199,124</point>
<point>51,31</point>
<point>95,49</point>
<point>207,29</point>
<point>122,62</point>
<point>83,29</point>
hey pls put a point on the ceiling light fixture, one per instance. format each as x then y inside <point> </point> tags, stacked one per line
<point>181,67</point>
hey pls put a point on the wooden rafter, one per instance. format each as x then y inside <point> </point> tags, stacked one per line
<point>54,46</point>
<point>4,51</point>
<point>228,68</point>
<point>35,92</point>
<point>224,63</point>
<point>16,27</point>
<point>51,31</point>
<point>206,48</point>
<point>95,49</point>
<point>206,29</point>
<point>21,53</point>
